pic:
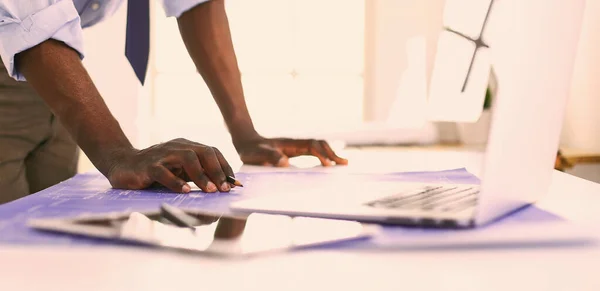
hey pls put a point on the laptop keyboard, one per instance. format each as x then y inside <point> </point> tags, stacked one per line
<point>447,198</point>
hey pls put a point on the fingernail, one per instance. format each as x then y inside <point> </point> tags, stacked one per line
<point>211,187</point>
<point>186,188</point>
<point>283,162</point>
<point>225,187</point>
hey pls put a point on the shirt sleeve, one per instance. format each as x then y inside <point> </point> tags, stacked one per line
<point>25,24</point>
<point>177,7</point>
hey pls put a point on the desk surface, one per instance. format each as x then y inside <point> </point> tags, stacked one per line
<point>121,268</point>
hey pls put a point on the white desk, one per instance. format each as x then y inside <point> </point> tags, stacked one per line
<point>576,268</point>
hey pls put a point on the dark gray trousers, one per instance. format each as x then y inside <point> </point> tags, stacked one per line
<point>36,151</point>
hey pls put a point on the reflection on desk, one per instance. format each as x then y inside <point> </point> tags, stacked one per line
<point>210,233</point>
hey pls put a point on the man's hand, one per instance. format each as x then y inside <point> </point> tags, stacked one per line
<point>171,164</point>
<point>276,152</point>
<point>205,32</point>
<point>56,72</point>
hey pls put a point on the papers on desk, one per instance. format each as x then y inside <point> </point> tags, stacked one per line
<point>92,194</point>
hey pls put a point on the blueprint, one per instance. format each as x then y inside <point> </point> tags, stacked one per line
<point>91,193</point>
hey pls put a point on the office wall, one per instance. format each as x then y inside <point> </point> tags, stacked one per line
<point>389,25</point>
<point>582,119</point>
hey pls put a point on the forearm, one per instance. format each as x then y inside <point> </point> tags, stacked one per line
<point>205,32</point>
<point>57,74</point>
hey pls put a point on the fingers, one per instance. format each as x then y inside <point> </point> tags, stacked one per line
<point>332,155</point>
<point>277,159</point>
<point>213,168</point>
<point>213,164</point>
<point>265,155</point>
<point>224,164</point>
<point>172,164</point>
<point>162,175</point>
<point>317,150</point>
<point>225,167</point>
<point>195,172</point>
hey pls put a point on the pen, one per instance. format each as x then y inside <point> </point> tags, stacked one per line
<point>234,181</point>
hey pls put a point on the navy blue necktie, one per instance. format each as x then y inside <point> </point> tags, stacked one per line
<point>137,44</point>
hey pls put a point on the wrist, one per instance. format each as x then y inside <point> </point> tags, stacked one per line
<point>242,131</point>
<point>242,138</point>
<point>108,145</point>
<point>107,159</point>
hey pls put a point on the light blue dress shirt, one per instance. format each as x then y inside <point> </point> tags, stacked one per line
<point>27,23</point>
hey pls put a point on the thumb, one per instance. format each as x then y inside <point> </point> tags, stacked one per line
<point>266,156</point>
<point>280,160</point>
<point>274,157</point>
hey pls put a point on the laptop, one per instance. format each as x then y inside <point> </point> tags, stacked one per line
<point>530,46</point>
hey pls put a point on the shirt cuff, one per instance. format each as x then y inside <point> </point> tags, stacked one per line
<point>59,21</point>
<point>176,8</point>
